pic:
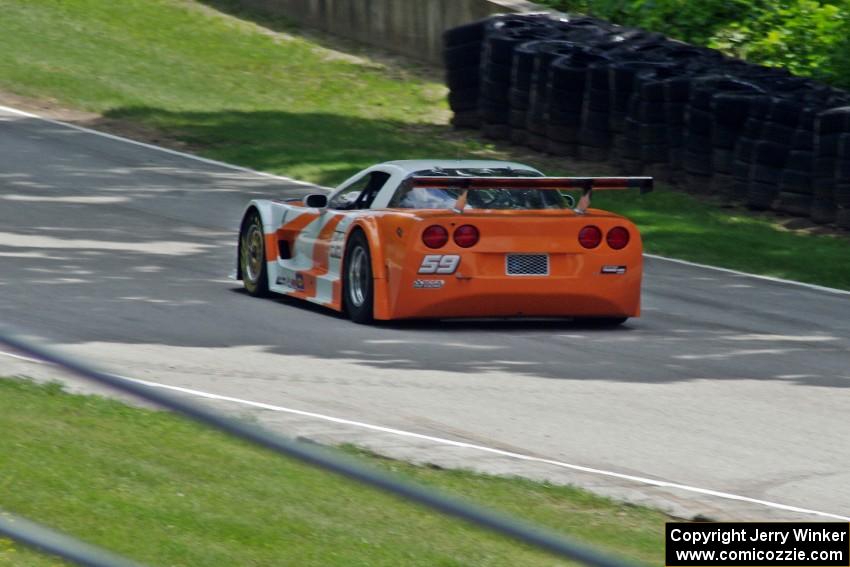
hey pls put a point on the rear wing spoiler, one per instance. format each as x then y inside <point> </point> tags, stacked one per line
<point>586,184</point>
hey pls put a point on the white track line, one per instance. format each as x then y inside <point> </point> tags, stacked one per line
<point>481,448</point>
<point>153,147</point>
<point>746,274</point>
<point>297,182</point>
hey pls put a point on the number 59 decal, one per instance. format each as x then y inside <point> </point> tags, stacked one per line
<point>439,264</point>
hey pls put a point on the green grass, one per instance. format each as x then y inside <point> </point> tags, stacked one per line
<point>167,492</point>
<point>271,98</point>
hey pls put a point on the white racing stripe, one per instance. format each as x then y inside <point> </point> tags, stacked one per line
<point>295,181</point>
<point>471,446</point>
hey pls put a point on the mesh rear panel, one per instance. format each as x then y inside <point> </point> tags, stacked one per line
<point>527,264</point>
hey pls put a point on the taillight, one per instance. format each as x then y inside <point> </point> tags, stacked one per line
<point>590,236</point>
<point>435,236</point>
<point>466,236</point>
<point>617,237</point>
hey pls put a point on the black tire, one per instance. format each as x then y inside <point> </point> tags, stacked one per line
<point>496,130</point>
<point>493,113</point>
<point>825,167</point>
<point>723,185</point>
<point>602,322</point>
<point>844,147</point>
<point>591,153</point>
<point>731,109</point>
<point>823,211</point>
<point>497,73</point>
<point>464,55</point>
<point>744,149</point>
<point>770,153</point>
<point>653,153</point>
<point>766,174</point>
<point>653,134</point>
<point>252,255</point>
<point>595,138</point>
<point>760,196</point>
<point>595,120</point>
<point>842,218</point>
<point>785,112</point>
<point>794,203</point>
<point>652,112</point>
<point>674,113</point>
<point>697,163</point>
<point>841,194</point>
<point>794,181</point>
<point>777,133</point>
<point>804,140</point>
<point>827,145</point>
<point>460,101</point>
<point>358,287</point>
<point>519,136</point>
<point>699,122</point>
<point>563,134</point>
<point>724,138</point>
<point>596,100</point>
<point>466,119</point>
<point>834,121</point>
<point>495,91</point>
<point>722,160</point>
<point>518,118</point>
<point>698,145</point>
<point>466,33</point>
<point>463,78</point>
<point>566,149</point>
<point>801,160</point>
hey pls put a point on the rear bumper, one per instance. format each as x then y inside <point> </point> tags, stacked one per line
<point>592,295</point>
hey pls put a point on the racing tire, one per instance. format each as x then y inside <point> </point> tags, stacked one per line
<point>252,256</point>
<point>466,119</point>
<point>602,322</point>
<point>358,287</point>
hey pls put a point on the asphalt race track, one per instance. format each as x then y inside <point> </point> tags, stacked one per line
<point>728,383</point>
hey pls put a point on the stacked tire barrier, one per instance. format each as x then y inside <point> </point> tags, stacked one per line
<point>585,88</point>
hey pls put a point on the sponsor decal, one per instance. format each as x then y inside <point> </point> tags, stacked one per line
<point>296,282</point>
<point>614,270</point>
<point>428,284</point>
<point>439,264</point>
<point>337,244</point>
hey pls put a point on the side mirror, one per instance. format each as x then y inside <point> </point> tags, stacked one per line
<point>316,201</point>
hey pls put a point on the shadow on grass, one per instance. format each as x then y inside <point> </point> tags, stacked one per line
<point>326,148</point>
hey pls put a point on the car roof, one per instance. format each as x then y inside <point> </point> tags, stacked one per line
<point>413,165</point>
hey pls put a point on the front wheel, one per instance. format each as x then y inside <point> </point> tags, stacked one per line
<point>252,256</point>
<point>358,286</point>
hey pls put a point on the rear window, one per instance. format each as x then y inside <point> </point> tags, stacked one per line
<point>445,198</point>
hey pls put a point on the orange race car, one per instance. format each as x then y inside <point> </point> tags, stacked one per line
<point>408,239</point>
